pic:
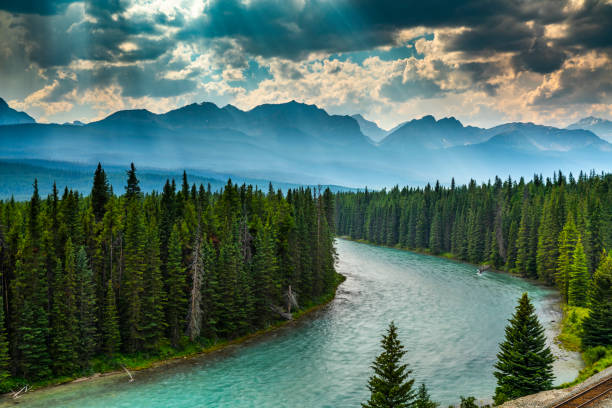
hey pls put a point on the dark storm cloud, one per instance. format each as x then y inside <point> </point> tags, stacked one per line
<point>57,40</point>
<point>539,58</point>
<point>42,7</point>
<point>288,29</point>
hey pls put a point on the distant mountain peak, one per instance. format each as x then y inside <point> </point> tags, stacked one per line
<point>601,127</point>
<point>591,120</point>
<point>370,128</point>
<point>132,114</point>
<point>3,104</point>
<point>426,118</point>
<point>231,108</point>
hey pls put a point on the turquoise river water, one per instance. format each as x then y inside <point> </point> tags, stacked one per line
<point>450,321</point>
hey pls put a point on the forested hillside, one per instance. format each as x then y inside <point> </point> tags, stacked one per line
<point>554,230</point>
<point>97,276</point>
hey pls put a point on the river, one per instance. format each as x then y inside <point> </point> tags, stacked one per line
<point>450,321</point>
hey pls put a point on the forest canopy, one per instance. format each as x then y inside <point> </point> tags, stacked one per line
<point>105,274</point>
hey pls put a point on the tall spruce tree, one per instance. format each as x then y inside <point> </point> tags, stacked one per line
<point>390,386</point>
<point>99,193</point>
<point>176,306</point>
<point>524,364</point>
<point>64,327</point>
<point>132,189</point>
<point>87,308</point>
<point>567,245</point>
<point>579,278</point>
<point>5,362</point>
<point>597,326</point>
<point>132,283</point>
<point>423,399</point>
<point>30,299</point>
<point>111,338</point>
<point>154,297</point>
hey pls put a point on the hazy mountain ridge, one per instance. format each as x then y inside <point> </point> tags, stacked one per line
<point>18,176</point>
<point>370,128</point>
<point>9,116</point>
<point>299,143</point>
<point>601,127</point>
<point>430,133</point>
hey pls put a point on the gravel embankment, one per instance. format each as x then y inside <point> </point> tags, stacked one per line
<point>546,399</point>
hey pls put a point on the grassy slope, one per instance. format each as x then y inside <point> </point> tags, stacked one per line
<point>596,359</point>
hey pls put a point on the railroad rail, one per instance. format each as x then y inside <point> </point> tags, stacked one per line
<point>586,398</point>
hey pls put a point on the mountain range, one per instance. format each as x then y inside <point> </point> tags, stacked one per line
<point>299,143</point>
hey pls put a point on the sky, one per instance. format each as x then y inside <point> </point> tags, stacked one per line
<point>482,61</point>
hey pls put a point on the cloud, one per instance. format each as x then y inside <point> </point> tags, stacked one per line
<point>582,81</point>
<point>379,57</point>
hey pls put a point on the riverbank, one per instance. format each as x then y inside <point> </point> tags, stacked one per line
<point>191,351</point>
<point>447,315</point>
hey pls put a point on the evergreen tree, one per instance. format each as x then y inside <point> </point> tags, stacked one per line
<point>111,339</point>
<point>132,283</point>
<point>547,250</point>
<point>523,253</point>
<point>176,307</point>
<point>5,363</point>
<point>390,386</point>
<point>65,325</point>
<point>524,364</point>
<point>87,308</point>
<point>567,245</point>
<point>423,400</point>
<point>99,193</point>
<point>132,189</point>
<point>579,278</point>
<point>144,258</point>
<point>597,327</point>
<point>265,269</point>
<point>30,299</point>
<point>154,297</point>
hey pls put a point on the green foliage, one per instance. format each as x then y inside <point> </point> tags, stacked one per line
<point>64,320</point>
<point>521,227</point>
<point>468,402</point>
<point>87,309</point>
<point>423,399</point>
<point>4,347</point>
<point>568,239</point>
<point>390,386</point>
<point>177,307</point>
<point>111,339</point>
<point>597,327</point>
<point>579,278</point>
<point>524,363</point>
<point>140,277</point>
<point>596,359</point>
<point>571,327</point>
<point>99,193</point>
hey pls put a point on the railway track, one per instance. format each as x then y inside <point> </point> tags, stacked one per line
<point>588,397</point>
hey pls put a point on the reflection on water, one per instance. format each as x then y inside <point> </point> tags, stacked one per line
<point>450,320</point>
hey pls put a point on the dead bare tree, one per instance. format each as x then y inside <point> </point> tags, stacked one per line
<point>128,373</point>
<point>291,299</point>
<point>194,315</point>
